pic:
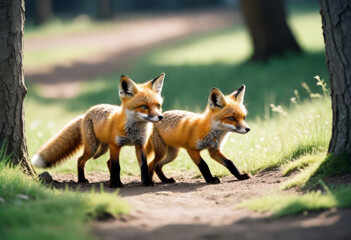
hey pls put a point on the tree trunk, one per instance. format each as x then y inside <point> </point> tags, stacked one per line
<point>269,31</point>
<point>43,11</point>
<point>12,88</point>
<point>104,9</point>
<point>336,21</point>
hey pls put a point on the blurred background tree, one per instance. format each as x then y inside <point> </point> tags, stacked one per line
<point>43,11</point>
<point>104,9</point>
<point>268,28</point>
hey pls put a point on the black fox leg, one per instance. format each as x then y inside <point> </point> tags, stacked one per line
<point>206,172</point>
<point>219,157</point>
<point>141,156</point>
<point>201,164</point>
<point>81,170</point>
<point>115,169</point>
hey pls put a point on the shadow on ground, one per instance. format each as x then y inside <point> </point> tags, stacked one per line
<point>332,224</point>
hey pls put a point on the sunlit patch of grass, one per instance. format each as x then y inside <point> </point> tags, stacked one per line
<point>55,56</point>
<point>288,204</point>
<point>58,27</point>
<point>300,179</point>
<point>226,47</point>
<point>321,167</point>
<point>311,40</point>
<point>302,163</point>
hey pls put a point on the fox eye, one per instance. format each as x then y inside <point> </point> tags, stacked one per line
<point>144,107</point>
<point>244,117</point>
<point>158,106</point>
<point>231,119</point>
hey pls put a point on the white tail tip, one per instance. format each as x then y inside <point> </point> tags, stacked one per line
<point>38,161</point>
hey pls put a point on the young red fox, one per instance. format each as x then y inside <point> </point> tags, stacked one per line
<point>195,132</point>
<point>105,127</point>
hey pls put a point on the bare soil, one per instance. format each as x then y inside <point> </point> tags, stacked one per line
<point>192,209</point>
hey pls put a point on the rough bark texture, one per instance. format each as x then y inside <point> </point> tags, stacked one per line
<point>104,9</point>
<point>43,11</point>
<point>12,88</point>
<point>336,20</point>
<point>269,31</point>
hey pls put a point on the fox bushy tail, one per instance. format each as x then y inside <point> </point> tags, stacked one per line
<point>61,146</point>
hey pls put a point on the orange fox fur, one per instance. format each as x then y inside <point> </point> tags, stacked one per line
<point>196,132</point>
<point>109,127</point>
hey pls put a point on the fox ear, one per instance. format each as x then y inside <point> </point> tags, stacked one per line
<point>216,99</point>
<point>156,84</point>
<point>238,94</point>
<point>127,88</point>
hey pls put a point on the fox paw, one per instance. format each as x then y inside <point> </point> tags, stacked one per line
<point>168,180</point>
<point>116,185</point>
<point>83,180</point>
<point>149,183</point>
<point>244,176</point>
<point>214,180</point>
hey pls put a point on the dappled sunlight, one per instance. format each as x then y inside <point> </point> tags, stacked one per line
<point>307,28</point>
<point>232,46</point>
<point>226,47</point>
<point>44,60</point>
<point>79,55</point>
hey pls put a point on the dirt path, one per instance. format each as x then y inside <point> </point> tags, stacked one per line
<point>127,39</point>
<point>191,209</point>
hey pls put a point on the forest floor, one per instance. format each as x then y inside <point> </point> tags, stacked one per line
<point>192,209</point>
<point>127,39</point>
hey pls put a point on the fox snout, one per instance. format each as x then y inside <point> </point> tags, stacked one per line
<point>155,118</point>
<point>242,129</point>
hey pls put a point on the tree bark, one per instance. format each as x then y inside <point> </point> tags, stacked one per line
<point>104,9</point>
<point>336,23</point>
<point>43,11</point>
<point>269,31</point>
<point>12,88</point>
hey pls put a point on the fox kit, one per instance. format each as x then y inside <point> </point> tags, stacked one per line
<point>109,127</point>
<point>195,132</point>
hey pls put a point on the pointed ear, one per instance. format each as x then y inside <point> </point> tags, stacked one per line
<point>127,88</point>
<point>156,84</point>
<point>238,94</point>
<point>216,99</point>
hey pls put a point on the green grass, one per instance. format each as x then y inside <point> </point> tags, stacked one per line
<point>59,27</point>
<point>61,55</point>
<point>316,168</point>
<point>302,163</point>
<point>287,204</point>
<point>28,210</point>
